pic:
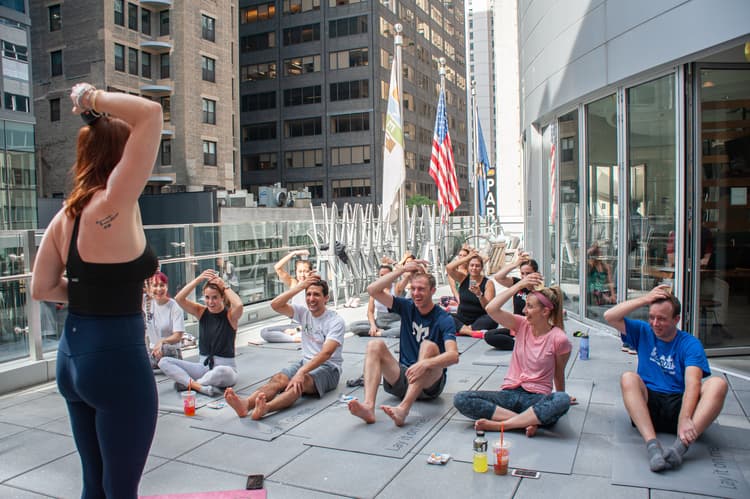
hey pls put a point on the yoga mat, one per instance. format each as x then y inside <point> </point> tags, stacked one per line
<point>551,450</point>
<point>336,428</point>
<point>466,342</point>
<point>280,346</point>
<point>222,494</point>
<point>494,357</point>
<point>357,344</point>
<point>708,467</point>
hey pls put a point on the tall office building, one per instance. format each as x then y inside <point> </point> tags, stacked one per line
<point>314,80</point>
<point>17,169</point>
<point>182,54</point>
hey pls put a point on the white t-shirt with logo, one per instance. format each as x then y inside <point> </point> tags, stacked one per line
<point>317,330</point>
<point>163,320</point>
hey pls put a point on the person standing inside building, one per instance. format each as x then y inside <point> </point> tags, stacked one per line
<point>95,257</point>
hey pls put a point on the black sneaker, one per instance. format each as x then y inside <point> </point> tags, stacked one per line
<point>351,383</point>
<point>180,387</point>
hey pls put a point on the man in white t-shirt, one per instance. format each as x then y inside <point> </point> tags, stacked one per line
<point>319,369</point>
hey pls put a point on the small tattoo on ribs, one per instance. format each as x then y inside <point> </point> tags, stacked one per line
<point>106,222</point>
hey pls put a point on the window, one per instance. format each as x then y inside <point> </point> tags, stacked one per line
<point>347,26</point>
<point>351,188</point>
<point>353,155</point>
<point>348,58</point>
<point>355,122</point>
<point>308,158</point>
<point>164,65</point>
<point>54,109</point>
<point>132,61</point>
<point>120,12</point>
<point>164,23</point>
<point>119,57</point>
<point>13,51</point>
<point>258,102</point>
<point>303,127</point>
<point>567,148</point>
<point>208,28</point>
<point>209,153</point>
<point>132,16</point>
<point>315,188</point>
<point>209,69</point>
<point>302,95</point>
<point>301,65</point>
<point>255,13</point>
<point>166,152</point>
<point>259,131</point>
<point>259,41</point>
<point>145,21</point>
<point>299,6</point>
<point>262,161</point>
<point>209,111</point>
<point>166,108</point>
<point>337,3</point>
<point>56,63</point>
<point>15,102</point>
<point>301,34</point>
<point>55,17</point>
<point>145,64</point>
<point>345,90</point>
<point>261,71</point>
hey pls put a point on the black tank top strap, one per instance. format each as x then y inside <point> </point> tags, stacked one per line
<point>73,248</point>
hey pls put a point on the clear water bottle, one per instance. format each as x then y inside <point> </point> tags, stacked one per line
<point>583,347</point>
<point>480,453</point>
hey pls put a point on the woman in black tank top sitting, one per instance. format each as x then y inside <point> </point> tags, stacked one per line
<point>95,257</point>
<point>475,291</point>
<point>217,330</point>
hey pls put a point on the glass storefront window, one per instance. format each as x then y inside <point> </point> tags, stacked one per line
<point>549,270</point>
<point>567,158</point>
<point>652,177</point>
<point>602,205</point>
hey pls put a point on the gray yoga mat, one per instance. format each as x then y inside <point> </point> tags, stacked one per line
<point>466,342</point>
<point>708,467</point>
<point>336,428</point>
<point>494,357</point>
<point>551,450</point>
<point>357,344</point>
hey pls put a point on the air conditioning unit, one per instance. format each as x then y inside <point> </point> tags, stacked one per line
<point>275,196</point>
<point>222,198</point>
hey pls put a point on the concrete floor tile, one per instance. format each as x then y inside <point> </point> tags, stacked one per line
<point>732,405</point>
<point>36,411</point>
<point>21,398</point>
<point>600,419</point>
<point>14,493</point>
<point>283,491</point>
<point>551,486</point>
<point>744,397</point>
<point>176,478</point>
<point>29,449</point>
<point>61,426</point>
<point>594,456</point>
<point>7,429</point>
<point>174,436</point>
<point>338,472</point>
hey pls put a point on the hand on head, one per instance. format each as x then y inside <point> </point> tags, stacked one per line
<point>302,252</point>
<point>310,279</point>
<point>661,292</point>
<point>416,266</point>
<point>79,94</point>
<point>532,280</point>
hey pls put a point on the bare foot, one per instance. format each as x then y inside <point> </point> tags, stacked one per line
<point>261,408</point>
<point>397,414</point>
<point>531,430</point>
<point>362,411</point>
<point>239,406</point>
<point>487,425</point>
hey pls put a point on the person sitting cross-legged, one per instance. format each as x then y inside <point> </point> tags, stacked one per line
<point>667,393</point>
<point>427,348</point>
<point>318,371</point>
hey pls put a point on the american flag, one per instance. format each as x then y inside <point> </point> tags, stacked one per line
<point>442,166</point>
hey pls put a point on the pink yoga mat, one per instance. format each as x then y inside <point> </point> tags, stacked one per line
<point>221,494</point>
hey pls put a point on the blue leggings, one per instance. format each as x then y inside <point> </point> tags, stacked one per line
<point>477,404</point>
<point>104,374</point>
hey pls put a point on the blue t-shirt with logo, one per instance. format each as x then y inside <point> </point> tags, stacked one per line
<point>437,326</point>
<point>662,364</point>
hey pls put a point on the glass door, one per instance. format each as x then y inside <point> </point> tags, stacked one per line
<point>722,236</point>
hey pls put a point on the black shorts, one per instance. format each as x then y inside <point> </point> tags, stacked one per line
<point>664,409</point>
<point>399,388</point>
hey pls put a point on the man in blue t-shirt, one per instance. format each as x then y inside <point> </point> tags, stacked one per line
<point>666,394</point>
<point>427,347</point>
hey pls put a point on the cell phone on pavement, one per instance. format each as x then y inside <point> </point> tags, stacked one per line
<point>254,482</point>
<point>522,473</point>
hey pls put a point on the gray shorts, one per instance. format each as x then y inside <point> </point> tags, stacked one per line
<point>326,377</point>
<point>399,388</point>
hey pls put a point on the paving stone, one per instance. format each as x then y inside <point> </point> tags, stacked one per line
<point>7,429</point>
<point>174,436</point>
<point>594,456</point>
<point>35,412</point>
<point>179,478</point>
<point>552,486</point>
<point>14,493</point>
<point>29,449</point>
<point>284,491</point>
<point>600,419</point>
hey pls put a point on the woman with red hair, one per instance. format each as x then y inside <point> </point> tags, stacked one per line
<point>165,322</point>
<point>94,256</point>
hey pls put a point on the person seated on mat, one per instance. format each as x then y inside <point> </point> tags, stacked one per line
<point>667,393</point>
<point>475,291</point>
<point>525,399</point>
<point>217,330</point>
<point>380,322</point>
<point>288,333</point>
<point>504,338</point>
<point>427,347</point>
<point>318,371</point>
<point>165,323</point>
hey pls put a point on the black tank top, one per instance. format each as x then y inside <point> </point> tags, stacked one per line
<point>216,336</point>
<point>469,306</point>
<point>106,288</point>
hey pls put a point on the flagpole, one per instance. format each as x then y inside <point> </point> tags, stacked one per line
<point>398,42</point>
<point>475,150</point>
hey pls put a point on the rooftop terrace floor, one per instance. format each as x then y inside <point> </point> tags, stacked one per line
<point>300,456</point>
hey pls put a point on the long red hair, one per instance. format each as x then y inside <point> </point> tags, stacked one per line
<point>99,149</point>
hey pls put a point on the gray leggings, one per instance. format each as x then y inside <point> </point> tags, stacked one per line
<point>276,334</point>
<point>223,374</point>
<point>389,322</point>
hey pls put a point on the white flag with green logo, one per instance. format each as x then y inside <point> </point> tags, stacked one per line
<point>394,167</point>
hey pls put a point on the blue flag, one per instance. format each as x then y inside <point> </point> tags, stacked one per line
<point>483,167</point>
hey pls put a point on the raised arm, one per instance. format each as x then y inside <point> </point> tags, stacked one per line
<point>503,317</point>
<point>502,275</point>
<point>280,267</point>
<point>615,316</point>
<point>452,269</point>
<point>281,305</point>
<point>193,308</point>
<point>379,289</point>
<point>236,307</point>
